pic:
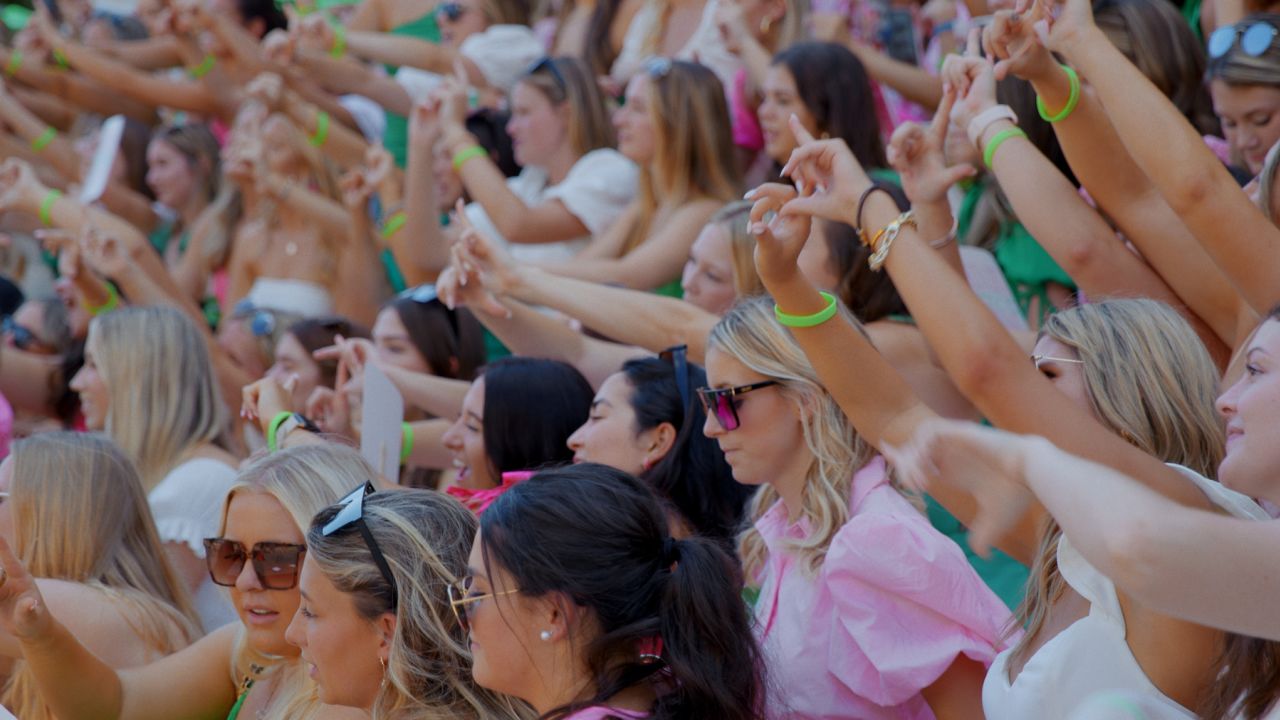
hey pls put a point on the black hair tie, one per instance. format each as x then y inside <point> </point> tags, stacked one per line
<point>670,551</point>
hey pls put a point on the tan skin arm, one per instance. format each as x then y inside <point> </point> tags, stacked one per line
<point>1171,153</point>
<point>79,90</point>
<point>1121,189</point>
<point>657,259</point>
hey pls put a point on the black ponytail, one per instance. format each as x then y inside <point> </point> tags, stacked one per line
<point>600,537</point>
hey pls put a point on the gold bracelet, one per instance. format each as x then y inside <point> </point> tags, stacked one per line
<point>884,238</point>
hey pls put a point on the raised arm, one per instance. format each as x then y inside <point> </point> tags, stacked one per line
<point>1203,567</point>
<point>1171,153</point>
<point>1120,188</point>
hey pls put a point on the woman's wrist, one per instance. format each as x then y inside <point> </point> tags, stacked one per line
<point>1053,87</point>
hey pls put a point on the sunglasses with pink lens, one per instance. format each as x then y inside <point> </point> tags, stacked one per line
<point>721,402</point>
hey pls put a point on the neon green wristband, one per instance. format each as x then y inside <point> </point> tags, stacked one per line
<point>1072,101</point>
<point>989,154</point>
<point>393,224</point>
<point>203,68</point>
<point>406,445</point>
<point>60,59</point>
<point>807,321</point>
<point>42,142</point>
<point>471,152</point>
<point>15,63</point>
<point>322,130</point>
<point>339,42</point>
<point>113,302</point>
<point>46,207</point>
<point>274,427</point>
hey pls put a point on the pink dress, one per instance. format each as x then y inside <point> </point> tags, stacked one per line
<point>892,606</point>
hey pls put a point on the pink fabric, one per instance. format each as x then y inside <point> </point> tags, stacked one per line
<point>601,713</point>
<point>746,126</point>
<point>477,501</point>
<point>1220,147</point>
<point>893,605</point>
<point>6,426</point>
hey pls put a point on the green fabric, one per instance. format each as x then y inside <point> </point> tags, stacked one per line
<point>672,289</point>
<point>1191,12</point>
<point>885,175</point>
<point>493,347</point>
<point>392,268</point>
<point>395,138</point>
<point>1026,265</point>
<point>1006,577</point>
<point>15,16</point>
<point>162,234</point>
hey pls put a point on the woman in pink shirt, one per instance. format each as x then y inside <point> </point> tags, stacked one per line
<point>864,610</point>
<point>580,603</point>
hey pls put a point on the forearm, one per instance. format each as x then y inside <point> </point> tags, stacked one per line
<point>181,95</point>
<point>911,81</point>
<point>1192,180</point>
<point>150,54</point>
<point>361,282</point>
<point>398,50</point>
<point>437,396</point>
<point>327,216</point>
<point>73,682</point>
<point>345,146</point>
<point>421,248</point>
<point>628,271</point>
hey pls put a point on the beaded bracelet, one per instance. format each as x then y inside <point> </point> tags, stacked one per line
<point>322,130</point>
<point>1072,101</point>
<point>808,321</point>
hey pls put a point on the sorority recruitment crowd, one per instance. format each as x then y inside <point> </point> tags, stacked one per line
<point>666,453</point>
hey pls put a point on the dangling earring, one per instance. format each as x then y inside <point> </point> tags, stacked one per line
<point>766,24</point>
<point>383,663</point>
<point>545,635</point>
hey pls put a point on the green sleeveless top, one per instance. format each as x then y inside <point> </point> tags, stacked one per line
<point>235,709</point>
<point>395,138</point>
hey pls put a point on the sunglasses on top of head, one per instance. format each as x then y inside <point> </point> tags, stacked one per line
<point>1255,39</point>
<point>723,405</point>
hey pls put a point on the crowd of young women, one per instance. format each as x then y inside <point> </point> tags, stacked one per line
<point>667,451</point>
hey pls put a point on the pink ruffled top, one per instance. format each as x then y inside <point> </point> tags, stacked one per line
<point>477,501</point>
<point>600,712</point>
<point>891,608</point>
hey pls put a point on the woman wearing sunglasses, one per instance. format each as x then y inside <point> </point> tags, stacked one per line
<point>581,603</point>
<point>864,609</point>
<point>73,509</point>
<point>646,421</point>
<point>374,625</point>
<point>1244,81</point>
<point>247,669</point>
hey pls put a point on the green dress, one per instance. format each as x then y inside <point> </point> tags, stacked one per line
<point>395,138</point>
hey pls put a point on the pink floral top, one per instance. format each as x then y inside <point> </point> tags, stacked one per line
<point>892,606</point>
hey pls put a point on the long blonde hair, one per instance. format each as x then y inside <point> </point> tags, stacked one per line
<point>425,538</point>
<point>1149,380</point>
<point>163,396</point>
<point>695,157</point>
<point>304,480</point>
<point>734,218</point>
<point>80,515</point>
<point>752,336</point>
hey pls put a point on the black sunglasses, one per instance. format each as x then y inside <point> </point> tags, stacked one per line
<point>720,402</point>
<point>1255,39</point>
<point>352,513</point>
<point>678,356</point>
<point>22,336</point>
<point>452,11</point>
<point>275,564</point>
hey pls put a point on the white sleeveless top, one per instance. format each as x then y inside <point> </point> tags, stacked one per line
<point>1091,657</point>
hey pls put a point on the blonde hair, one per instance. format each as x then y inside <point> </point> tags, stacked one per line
<point>304,480</point>
<point>568,80</point>
<point>734,218</point>
<point>752,336</point>
<point>425,538</point>
<point>80,515</point>
<point>695,156</point>
<point>163,396</point>
<point>1150,380</point>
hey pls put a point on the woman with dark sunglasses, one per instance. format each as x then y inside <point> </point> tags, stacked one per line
<point>246,669</point>
<point>864,610</point>
<point>374,625</point>
<point>581,603</point>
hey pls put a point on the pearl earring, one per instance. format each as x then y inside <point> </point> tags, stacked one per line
<point>545,635</point>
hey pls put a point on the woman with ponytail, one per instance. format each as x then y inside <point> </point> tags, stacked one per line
<point>580,603</point>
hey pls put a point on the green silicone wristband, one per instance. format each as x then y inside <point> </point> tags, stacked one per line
<point>990,153</point>
<point>274,427</point>
<point>15,63</point>
<point>113,302</point>
<point>204,68</point>
<point>468,153</point>
<point>46,207</point>
<point>393,224</point>
<point>406,445</point>
<point>43,140</point>
<point>806,321</point>
<point>339,42</point>
<point>322,130</point>
<point>1072,101</point>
